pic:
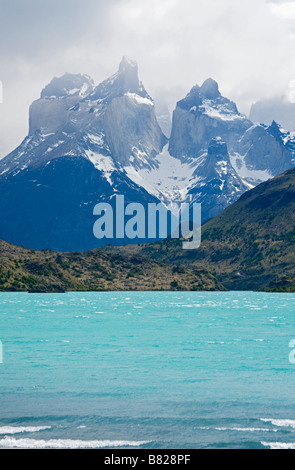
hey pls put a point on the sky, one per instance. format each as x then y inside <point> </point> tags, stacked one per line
<point>247,46</point>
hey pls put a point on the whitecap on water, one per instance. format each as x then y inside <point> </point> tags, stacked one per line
<point>246,429</point>
<point>21,429</point>
<point>285,423</point>
<point>279,445</point>
<point>11,443</point>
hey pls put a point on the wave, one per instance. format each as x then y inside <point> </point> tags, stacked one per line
<point>240,429</point>
<point>279,445</point>
<point>247,429</point>
<point>11,443</point>
<point>285,423</point>
<point>20,429</point>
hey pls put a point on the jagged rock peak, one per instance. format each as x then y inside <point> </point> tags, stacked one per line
<point>199,94</point>
<point>277,132</point>
<point>124,81</point>
<point>68,85</point>
<point>210,89</point>
<point>274,128</point>
<point>128,69</point>
<point>127,65</point>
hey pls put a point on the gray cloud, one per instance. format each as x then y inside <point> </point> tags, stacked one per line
<point>30,28</point>
<point>177,43</point>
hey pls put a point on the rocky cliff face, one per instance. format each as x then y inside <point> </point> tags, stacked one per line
<point>202,116</point>
<point>218,185</point>
<point>263,150</point>
<point>52,111</point>
<point>126,115</point>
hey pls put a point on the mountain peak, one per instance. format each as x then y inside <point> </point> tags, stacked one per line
<point>199,94</point>
<point>210,89</point>
<point>128,70</point>
<point>68,85</point>
<point>275,125</point>
<point>124,81</point>
<point>277,132</point>
<point>127,64</point>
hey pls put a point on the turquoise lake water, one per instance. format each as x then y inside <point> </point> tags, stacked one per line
<point>147,370</point>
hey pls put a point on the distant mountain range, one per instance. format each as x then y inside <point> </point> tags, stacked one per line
<point>87,144</point>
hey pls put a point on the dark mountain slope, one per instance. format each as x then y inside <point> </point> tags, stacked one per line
<point>51,207</point>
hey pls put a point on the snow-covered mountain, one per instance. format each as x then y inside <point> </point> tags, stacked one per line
<point>112,125</point>
<point>204,114</point>
<point>87,144</point>
<point>80,139</point>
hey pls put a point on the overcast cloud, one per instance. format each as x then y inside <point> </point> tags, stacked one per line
<point>246,45</point>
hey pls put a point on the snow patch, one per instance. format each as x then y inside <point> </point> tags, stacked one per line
<point>139,99</point>
<point>171,181</point>
<point>73,91</point>
<point>97,139</point>
<point>219,111</point>
<point>255,176</point>
<point>101,163</point>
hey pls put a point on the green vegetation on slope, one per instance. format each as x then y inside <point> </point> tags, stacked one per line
<point>22,269</point>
